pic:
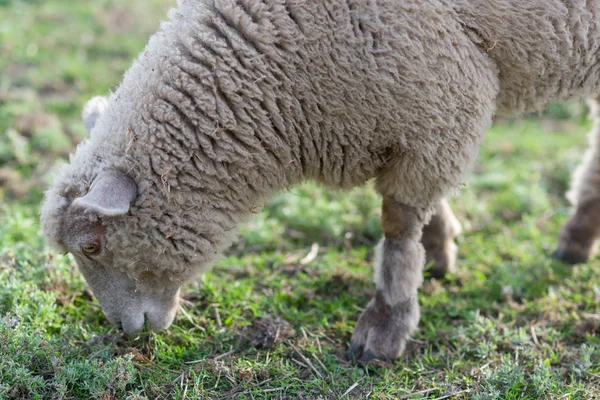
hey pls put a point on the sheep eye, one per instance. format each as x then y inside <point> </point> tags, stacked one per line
<point>90,248</point>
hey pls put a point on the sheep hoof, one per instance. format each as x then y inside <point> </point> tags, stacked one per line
<point>382,331</point>
<point>436,273</point>
<point>362,358</point>
<point>577,237</point>
<point>569,256</point>
<point>440,264</point>
<point>357,355</point>
<point>574,244</point>
<point>442,260</point>
<point>354,351</point>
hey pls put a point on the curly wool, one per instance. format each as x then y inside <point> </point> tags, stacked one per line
<point>232,100</point>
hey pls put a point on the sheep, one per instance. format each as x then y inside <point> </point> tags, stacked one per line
<point>233,100</point>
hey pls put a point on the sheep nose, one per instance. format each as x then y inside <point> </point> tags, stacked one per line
<point>159,311</point>
<point>132,323</point>
<point>129,322</point>
<point>161,320</point>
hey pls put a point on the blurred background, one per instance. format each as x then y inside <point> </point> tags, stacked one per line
<point>55,55</point>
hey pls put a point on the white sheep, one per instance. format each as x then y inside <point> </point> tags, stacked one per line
<point>233,100</point>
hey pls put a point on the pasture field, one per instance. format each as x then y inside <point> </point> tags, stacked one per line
<point>272,319</point>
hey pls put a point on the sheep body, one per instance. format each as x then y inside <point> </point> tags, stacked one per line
<point>232,100</point>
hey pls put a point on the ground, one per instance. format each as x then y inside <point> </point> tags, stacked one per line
<point>273,318</point>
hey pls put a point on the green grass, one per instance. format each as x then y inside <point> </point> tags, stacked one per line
<point>511,323</point>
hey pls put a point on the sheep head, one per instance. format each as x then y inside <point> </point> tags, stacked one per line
<point>85,226</point>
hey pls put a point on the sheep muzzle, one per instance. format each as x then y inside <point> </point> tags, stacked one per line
<point>124,303</point>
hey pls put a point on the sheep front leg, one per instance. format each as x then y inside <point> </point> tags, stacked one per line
<point>577,237</point>
<point>393,314</point>
<point>438,240</point>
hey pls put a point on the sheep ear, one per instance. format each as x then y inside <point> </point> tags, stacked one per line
<point>111,194</point>
<point>92,110</point>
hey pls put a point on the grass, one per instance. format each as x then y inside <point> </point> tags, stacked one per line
<point>511,323</point>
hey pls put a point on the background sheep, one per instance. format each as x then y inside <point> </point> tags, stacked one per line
<point>231,102</point>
